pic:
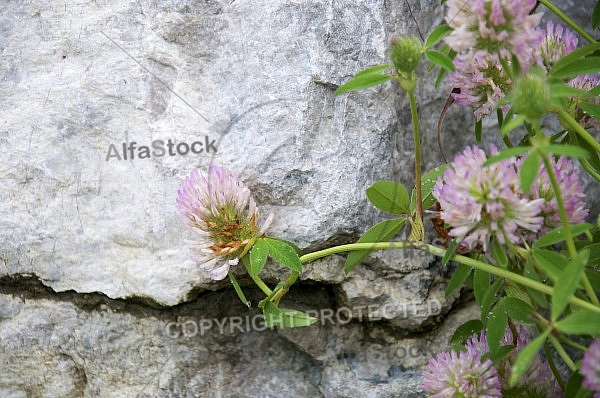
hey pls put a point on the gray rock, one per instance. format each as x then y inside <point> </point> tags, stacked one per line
<point>73,345</point>
<point>263,75</point>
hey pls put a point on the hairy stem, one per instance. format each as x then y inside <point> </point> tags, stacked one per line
<point>563,354</point>
<point>238,289</point>
<point>262,285</point>
<point>555,371</point>
<point>562,211</point>
<point>579,130</point>
<point>564,218</point>
<point>417,139</point>
<point>259,282</point>
<point>567,341</point>
<point>286,286</point>
<point>437,251</point>
<point>586,165</point>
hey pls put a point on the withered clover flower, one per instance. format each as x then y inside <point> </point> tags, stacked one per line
<point>221,210</point>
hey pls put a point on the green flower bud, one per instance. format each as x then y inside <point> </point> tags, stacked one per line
<point>406,53</point>
<point>531,94</point>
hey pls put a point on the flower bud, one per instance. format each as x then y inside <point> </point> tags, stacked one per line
<point>531,94</point>
<point>406,53</point>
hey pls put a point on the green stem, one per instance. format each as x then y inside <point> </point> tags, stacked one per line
<point>286,286</point>
<point>501,272</point>
<point>589,289</point>
<point>564,218</point>
<point>261,285</point>
<point>417,139</point>
<point>586,165</point>
<point>458,258</point>
<point>555,371</point>
<point>563,354</point>
<point>259,282</point>
<point>238,289</point>
<point>567,20</point>
<point>572,343</point>
<point>579,130</point>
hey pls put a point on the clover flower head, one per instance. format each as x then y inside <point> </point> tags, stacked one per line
<point>446,374</point>
<point>572,191</point>
<point>221,210</point>
<point>497,26</point>
<point>479,202</point>
<point>590,367</point>
<point>585,83</point>
<point>462,374</point>
<point>481,80</point>
<point>559,41</point>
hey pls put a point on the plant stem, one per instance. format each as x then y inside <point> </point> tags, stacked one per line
<point>262,285</point>
<point>238,289</point>
<point>562,211</point>
<point>286,286</point>
<point>590,170</point>
<point>417,138</point>
<point>567,20</point>
<point>555,371</point>
<point>563,354</point>
<point>259,282</point>
<point>564,218</point>
<point>501,272</point>
<point>579,130</point>
<point>458,258</point>
<point>572,343</point>
<point>589,289</point>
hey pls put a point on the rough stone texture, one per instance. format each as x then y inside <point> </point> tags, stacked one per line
<point>72,345</point>
<point>263,74</point>
<point>94,265</point>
